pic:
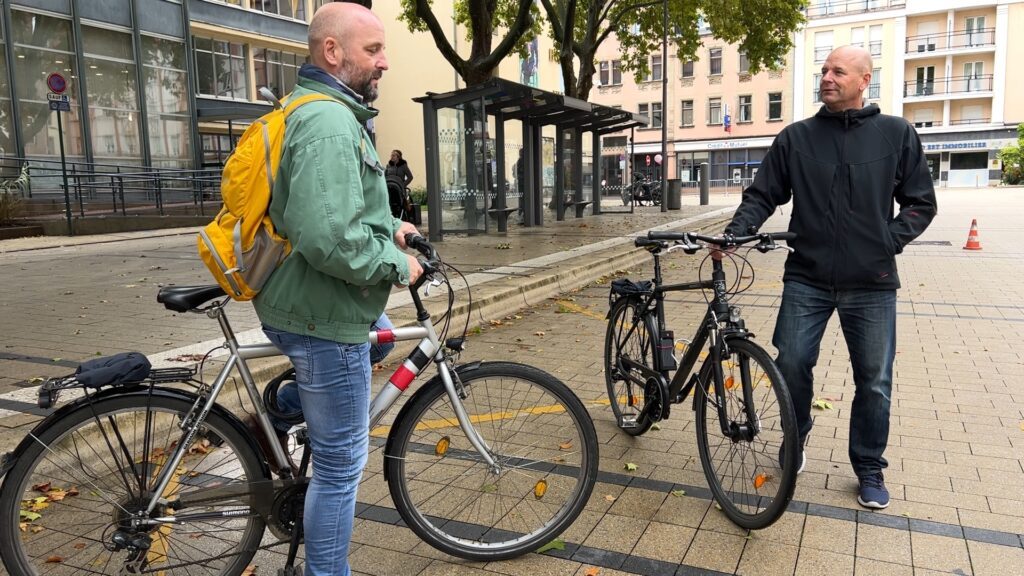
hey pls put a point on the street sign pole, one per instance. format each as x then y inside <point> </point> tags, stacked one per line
<point>64,174</point>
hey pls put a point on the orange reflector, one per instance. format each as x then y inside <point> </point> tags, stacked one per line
<point>760,479</point>
<point>729,383</point>
<point>442,446</point>
<point>540,489</point>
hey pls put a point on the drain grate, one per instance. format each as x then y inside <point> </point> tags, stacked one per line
<point>931,243</point>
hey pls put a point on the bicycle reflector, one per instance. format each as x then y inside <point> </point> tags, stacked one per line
<point>540,489</point>
<point>442,446</point>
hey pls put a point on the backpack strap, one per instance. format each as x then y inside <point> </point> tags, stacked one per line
<point>293,105</point>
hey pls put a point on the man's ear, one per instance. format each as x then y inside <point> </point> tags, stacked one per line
<point>333,53</point>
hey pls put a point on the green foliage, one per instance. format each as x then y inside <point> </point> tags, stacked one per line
<point>1013,159</point>
<point>762,28</point>
<point>10,207</point>
<point>418,196</point>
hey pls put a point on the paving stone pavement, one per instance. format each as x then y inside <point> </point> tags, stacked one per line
<point>957,438</point>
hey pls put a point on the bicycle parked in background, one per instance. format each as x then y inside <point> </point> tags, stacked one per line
<point>486,460</point>
<point>746,426</point>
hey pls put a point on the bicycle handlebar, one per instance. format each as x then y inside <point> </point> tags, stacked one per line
<point>430,265</point>
<point>688,240</point>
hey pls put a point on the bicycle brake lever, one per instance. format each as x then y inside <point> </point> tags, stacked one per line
<point>426,290</point>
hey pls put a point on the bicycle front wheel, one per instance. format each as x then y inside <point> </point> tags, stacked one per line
<point>629,339</point>
<point>749,474</point>
<point>75,501</point>
<point>541,440</point>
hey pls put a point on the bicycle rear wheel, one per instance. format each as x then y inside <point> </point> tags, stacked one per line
<point>745,474</point>
<point>86,476</point>
<point>630,336</point>
<point>545,449</point>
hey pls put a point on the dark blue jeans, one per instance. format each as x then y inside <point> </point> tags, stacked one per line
<point>868,320</point>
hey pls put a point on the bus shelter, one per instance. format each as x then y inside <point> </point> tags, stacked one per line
<point>477,181</point>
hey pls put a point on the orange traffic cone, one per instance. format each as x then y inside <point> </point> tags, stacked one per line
<point>972,238</point>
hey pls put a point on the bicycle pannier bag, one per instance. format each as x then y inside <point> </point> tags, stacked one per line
<point>241,247</point>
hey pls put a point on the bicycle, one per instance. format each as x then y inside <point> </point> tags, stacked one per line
<point>485,461</point>
<point>733,392</point>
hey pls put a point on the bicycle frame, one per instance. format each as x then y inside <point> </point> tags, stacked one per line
<point>428,349</point>
<point>684,380</point>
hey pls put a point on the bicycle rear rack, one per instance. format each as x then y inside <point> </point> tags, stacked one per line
<point>50,390</point>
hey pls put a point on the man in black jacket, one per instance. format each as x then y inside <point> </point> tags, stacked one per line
<point>843,168</point>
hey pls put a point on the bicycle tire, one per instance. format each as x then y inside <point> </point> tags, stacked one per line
<point>755,491</point>
<point>99,451</point>
<point>630,331</point>
<point>448,495</point>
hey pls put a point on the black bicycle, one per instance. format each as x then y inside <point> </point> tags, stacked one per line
<point>746,426</point>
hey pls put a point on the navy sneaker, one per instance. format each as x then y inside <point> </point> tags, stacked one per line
<point>803,458</point>
<point>873,493</point>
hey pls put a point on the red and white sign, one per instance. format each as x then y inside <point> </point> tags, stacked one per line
<point>56,83</point>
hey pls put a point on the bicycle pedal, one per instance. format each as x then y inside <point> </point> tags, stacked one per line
<point>628,422</point>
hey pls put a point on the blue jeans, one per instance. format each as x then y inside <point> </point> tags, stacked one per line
<point>288,394</point>
<point>868,320</point>
<point>334,389</point>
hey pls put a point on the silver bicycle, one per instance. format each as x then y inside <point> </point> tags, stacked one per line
<point>485,461</point>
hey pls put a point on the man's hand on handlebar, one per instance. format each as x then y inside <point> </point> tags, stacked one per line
<point>403,230</point>
<point>415,270</point>
<point>717,252</point>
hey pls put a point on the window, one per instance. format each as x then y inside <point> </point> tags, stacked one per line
<point>875,87</point>
<point>746,109</point>
<point>857,37</point>
<point>975,28</point>
<point>656,115</point>
<point>688,69</point>
<point>716,61</point>
<point>686,117</point>
<point>656,68</point>
<point>925,81</point>
<point>744,63</point>
<point>604,68</point>
<point>220,68</point>
<point>822,45</point>
<point>289,8</point>
<point>114,116</point>
<point>7,144</point>
<point>817,88</point>
<point>775,105</point>
<point>923,118</point>
<point>714,111</point>
<point>276,70</point>
<point>973,75</point>
<point>876,40</point>
<point>165,78</point>
<point>653,113</point>
<point>616,72</point>
<point>971,114</point>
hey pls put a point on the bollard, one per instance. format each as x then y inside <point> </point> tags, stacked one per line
<point>705,184</point>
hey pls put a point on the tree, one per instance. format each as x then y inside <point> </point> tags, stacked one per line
<point>763,28</point>
<point>1013,159</point>
<point>480,18</point>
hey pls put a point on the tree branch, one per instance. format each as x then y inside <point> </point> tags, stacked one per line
<point>423,12</point>
<point>515,32</point>
<point>614,23</point>
<point>556,25</point>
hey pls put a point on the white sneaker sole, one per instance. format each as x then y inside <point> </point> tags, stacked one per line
<point>874,505</point>
<point>803,462</point>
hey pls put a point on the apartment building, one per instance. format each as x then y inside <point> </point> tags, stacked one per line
<point>941,64</point>
<point>717,112</point>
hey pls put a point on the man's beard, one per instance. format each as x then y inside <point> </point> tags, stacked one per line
<point>361,84</point>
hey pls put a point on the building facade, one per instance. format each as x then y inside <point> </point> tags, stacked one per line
<point>718,112</point>
<point>944,65</point>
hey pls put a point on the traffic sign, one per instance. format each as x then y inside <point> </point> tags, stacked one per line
<point>648,159</point>
<point>57,97</point>
<point>60,106</point>
<point>56,83</point>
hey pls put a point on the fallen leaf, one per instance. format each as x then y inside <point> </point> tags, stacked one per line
<point>57,359</point>
<point>249,570</point>
<point>556,544</point>
<point>821,404</point>
<point>593,570</point>
<point>56,495</point>
<point>678,493</point>
<point>718,506</point>
<point>1022,426</point>
<point>44,487</point>
<point>73,491</point>
<point>609,498</point>
<point>538,333</point>
<point>489,488</point>
<point>35,380</point>
<point>37,529</point>
<point>54,559</point>
<point>630,467</point>
<point>80,545</point>
<point>655,426</point>
<point>567,445</point>
<point>23,526</point>
<point>29,515</point>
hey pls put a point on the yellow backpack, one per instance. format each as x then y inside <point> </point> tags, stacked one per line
<point>241,247</point>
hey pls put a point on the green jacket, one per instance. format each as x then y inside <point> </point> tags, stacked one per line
<point>330,200</point>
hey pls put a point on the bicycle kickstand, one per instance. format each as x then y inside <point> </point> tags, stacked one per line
<point>290,569</point>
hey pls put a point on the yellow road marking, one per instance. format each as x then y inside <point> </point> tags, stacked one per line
<point>580,309</point>
<point>439,423</point>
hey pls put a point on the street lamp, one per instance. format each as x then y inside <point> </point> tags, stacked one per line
<point>664,106</point>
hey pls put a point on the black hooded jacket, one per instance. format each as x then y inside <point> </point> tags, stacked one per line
<point>843,171</point>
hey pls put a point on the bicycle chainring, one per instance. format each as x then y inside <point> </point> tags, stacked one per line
<point>287,509</point>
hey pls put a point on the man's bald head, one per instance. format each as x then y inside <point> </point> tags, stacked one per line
<point>347,40</point>
<point>845,75</point>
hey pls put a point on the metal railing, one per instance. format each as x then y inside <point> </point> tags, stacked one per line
<point>965,121</point>
<point>96,189</point>
<point>948,85</point>
<point>827,8</point>
<point>957,39</point>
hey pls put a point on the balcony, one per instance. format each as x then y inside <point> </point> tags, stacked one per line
<point>929,45</point>
<point>960,86</point>
<point>829,8</point>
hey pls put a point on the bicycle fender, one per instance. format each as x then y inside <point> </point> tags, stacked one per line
<point>433,382</point>
<point>10,458</point>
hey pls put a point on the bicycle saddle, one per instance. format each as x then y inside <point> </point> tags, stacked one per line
<point>185,298</point>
